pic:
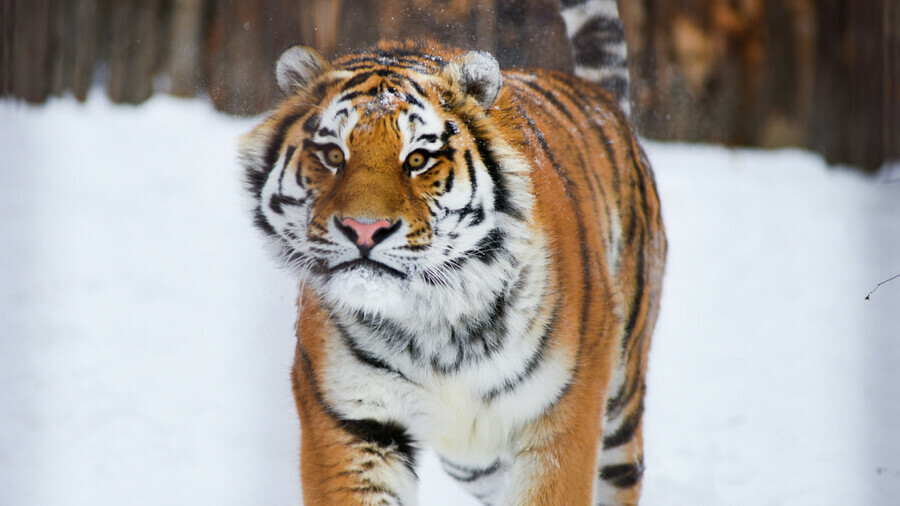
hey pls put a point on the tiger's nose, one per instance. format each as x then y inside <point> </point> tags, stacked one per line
<point>366,235</point>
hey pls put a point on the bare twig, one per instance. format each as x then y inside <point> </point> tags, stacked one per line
<point>883,282</point>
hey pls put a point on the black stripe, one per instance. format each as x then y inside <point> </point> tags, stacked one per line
<point>288,154</point>
<point>276,201</point>
<point>391,75</point>
<point>254,180</point>
<point>622,475</point>
<point>565,89</point>
<point>502,199</point>
<point>626,431</point>
<point>429,63</point>
<point>548,94</point>
<point>306,368</point>
<point>388,435</point>
<point>448,183</point>
<point>602,59</point>
<point>371,92</point>
<point>321,240</point>
<point>276,140</point>
<point>636,304</point>
<point>605,142</point>
<point>617,85</point>
<point>489,247</point>
<point>631,229</point>
<point>480,339</point>
<point>598,32</point>
<point>260,222</point>
<point>536,359</point>
<point>416,86</point>
<point>587,284</point>
<point>357,80</point>
<point>570,84</point>
<point>450,129</point>
<point>366,357</point>
<point>317,94</point>
<point>610,102</point>
<point>421,53</point>
<point>476,212</point>
<point>489,331</point>
<point>467,474</point>
<point>374,63</point>
<point>617,403</point>
<point>311,124</point>
<point>413,100</point>
<point>470,166</point>
<point>398,339</point>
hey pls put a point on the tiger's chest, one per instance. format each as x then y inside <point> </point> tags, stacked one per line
<point>470,413</point>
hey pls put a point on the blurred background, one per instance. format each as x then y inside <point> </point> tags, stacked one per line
<point>818,74</point>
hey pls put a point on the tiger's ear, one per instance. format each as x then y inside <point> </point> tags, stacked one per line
<point>298,67</point>
<point>478,75</point>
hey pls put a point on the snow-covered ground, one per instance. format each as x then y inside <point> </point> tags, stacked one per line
<point>146,339</point>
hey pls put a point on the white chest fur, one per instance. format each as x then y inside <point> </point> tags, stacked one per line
<point>463,416</point>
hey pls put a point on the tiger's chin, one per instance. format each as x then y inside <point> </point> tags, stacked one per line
<point>364,285</point>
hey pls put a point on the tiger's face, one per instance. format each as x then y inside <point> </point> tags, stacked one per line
<point>384,197</point>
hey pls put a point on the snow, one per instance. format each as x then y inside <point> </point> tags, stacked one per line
<point>146,338</point>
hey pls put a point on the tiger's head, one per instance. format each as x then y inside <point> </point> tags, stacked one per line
<point>387,181</point>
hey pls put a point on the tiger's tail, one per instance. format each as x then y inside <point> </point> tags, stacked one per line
<point>598,38</point>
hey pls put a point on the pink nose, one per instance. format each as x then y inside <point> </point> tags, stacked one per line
<point>365,232</point>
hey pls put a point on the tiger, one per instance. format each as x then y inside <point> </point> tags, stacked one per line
<point>479,256</point>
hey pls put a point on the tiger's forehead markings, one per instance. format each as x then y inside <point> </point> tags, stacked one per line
<point>405,60</point>
<point>336,122</point>
<point>387,94</point>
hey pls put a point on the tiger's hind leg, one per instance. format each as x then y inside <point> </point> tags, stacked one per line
<point>620,469</point>
<point>621,458</point>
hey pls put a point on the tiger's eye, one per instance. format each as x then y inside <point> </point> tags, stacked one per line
<point>335,156</point>
<point>416,160</point>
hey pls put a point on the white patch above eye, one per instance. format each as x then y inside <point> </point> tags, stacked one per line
<point>335,124</point>
<point>421,128</point>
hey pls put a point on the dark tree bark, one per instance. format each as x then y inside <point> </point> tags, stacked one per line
<point>819,74</point>
<point>138,42</point>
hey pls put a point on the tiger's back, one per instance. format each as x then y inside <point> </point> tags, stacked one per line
<point>482,258</point>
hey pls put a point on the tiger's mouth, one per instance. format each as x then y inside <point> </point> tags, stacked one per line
<point>367,264</point>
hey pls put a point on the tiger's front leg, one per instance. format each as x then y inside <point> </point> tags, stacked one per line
<point>557,455</point>
<point>349,462</point>
<point>344,461</point>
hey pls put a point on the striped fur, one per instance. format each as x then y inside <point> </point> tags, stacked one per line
<point>480,256</point>
<point>598,39</point>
